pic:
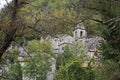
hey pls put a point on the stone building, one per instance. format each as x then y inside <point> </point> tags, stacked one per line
<point>80,34</point>
<point>61,41</point>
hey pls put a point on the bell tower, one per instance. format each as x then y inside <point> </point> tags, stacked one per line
<point>80,32</point>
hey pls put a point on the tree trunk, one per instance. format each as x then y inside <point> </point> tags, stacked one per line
<point>11,30</point>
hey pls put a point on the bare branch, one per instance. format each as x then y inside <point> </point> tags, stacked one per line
<point>28,54</point>
<point>99,21</point>
<point>8,4</point>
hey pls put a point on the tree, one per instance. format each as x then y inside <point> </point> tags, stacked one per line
<point>14,71</point>
<point>11,27</point>
<point>108,11</point>
<point>105,14</point>
<point>46,18</point>
<point>70,64</point>
<point>41,60</point>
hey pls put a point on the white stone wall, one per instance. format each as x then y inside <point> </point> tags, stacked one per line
<point>78,35</point>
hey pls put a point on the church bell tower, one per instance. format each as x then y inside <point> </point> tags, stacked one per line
<point>80,32</point>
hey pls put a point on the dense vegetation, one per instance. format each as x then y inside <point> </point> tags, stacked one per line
<point>24,20</point>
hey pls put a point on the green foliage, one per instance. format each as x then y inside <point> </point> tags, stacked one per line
<point>36,47</point>
<point>110,49</point>
<point>14,73</point>
<point>50,16</point>
<point>71,71</point>
<point>39,64</point>
<point>94,28</point>
<point>69,64</point>
<point>13,55</point>
<point>112,70</point>
<point>71,51</point>
<point>59,16</point>
<point>109,53</point>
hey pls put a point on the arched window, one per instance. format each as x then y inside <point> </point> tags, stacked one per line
<point>75,33</point>
<point>81,33</point>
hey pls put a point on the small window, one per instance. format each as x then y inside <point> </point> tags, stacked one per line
<point>81,33</point>
<point>75,33</point>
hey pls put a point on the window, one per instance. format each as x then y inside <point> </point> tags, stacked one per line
<point>75,33</point>
<point>81,33</point>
